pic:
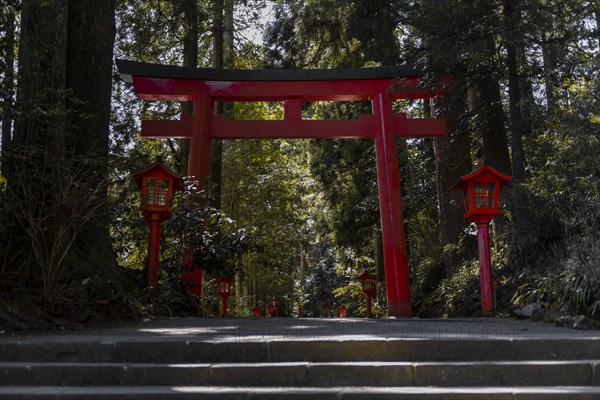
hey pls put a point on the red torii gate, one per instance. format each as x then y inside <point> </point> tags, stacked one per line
<point>381,86</point>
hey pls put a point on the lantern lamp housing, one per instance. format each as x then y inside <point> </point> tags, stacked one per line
<point>367,282</point>
<point>157,183</point>
<point>224,286</point>
<point>481,192</point>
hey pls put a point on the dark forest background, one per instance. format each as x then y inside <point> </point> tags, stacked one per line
<point>297,219</point>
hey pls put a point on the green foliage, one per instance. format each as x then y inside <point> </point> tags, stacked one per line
<point>459,295</point>
<point>571,281</point>
<point>171,301</point>
<point>565,180</point>
<point>212,239</point>
<point>46,207</point>
<point>332,278</point>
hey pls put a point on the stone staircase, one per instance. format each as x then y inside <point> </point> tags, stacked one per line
<point>188,365</point>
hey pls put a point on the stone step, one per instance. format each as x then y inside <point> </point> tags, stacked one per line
<point>300,359</point>
<point>296,393</point>
<point>177,350</point>
<point>505,373</point>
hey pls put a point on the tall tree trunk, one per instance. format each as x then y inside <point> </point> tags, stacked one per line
<point>7,88</point>
<point>190,59</point>
<point>229,56</point>
<point>58,166</point>
<point>42,76</point>
<point>527,97</point>
<point>452,161</point>
<point>302,268</point>
<point>549,57</point>
<point>34,167</point>
<point>512,21</point>
<point>486,103</point>
<point>486,100</point>
<point>223,57</point>
<point>217,144</point>
<point>89,79</point>
<point>596,8</point>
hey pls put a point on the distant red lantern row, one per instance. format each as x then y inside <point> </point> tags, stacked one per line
<point>272,311</point>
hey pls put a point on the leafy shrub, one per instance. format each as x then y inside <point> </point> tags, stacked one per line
<point>572,280</point>
<point>212,239</point>
<point>579,284</point>
<point>460,294</point>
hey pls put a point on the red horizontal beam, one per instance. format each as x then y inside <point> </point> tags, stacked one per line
<point>166,89</point>
<point>418,127</point>
<point>222,128</point>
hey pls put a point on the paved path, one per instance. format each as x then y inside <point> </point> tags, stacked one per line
<point>305,329</point>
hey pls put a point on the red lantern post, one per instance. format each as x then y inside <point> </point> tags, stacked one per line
<point>224,286</point>
<point>481,193</point>
<point>367,282</point>
<point>325,309</point>
<point>276,303</point>
<point>156,183</point>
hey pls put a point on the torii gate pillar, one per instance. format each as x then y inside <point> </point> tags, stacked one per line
<point>390,210</point>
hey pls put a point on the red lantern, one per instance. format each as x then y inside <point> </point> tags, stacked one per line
<point>157,184</point>
<point>481,193</point>
<point>367,282</point>
<point>257,312</point>
<point>224,286</point>
<point>342,312</point>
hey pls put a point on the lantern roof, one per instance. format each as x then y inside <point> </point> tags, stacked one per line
<point>365,276</point>
<point>486,172</point>
<point>159,170</point>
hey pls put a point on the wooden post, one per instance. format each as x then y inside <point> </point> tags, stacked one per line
<point>485,268</point>
<point>390,208</point>
<point>199,168</point>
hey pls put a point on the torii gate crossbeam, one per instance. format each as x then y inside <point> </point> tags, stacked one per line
<point>380,85</point>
